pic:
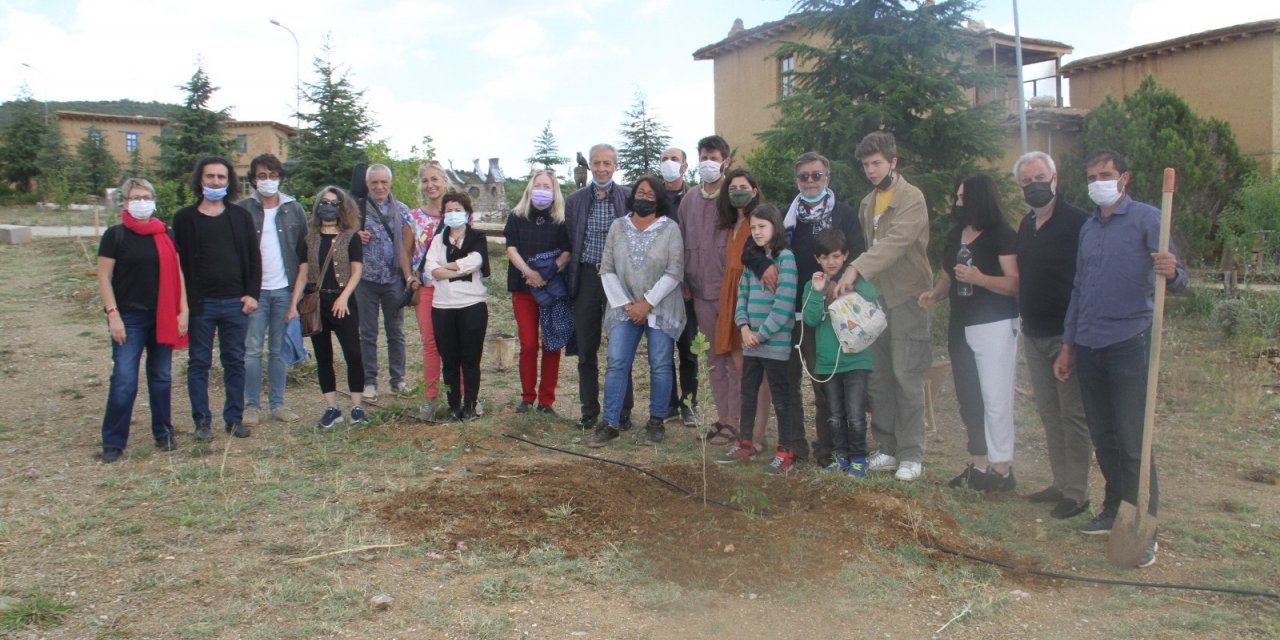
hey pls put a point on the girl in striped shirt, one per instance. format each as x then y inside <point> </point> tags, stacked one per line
<point>766,319</point>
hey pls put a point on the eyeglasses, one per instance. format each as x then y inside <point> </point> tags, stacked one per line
<point>267,176</point>
<point>810,176</point>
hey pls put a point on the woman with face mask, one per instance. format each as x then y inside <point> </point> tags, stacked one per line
<point>734,205</point>
<point>980,276</point>
<point>145,303</point>
<point>330,260</point>
<point>458,262</point>
<point>538,250</point>
<point>640,270</point>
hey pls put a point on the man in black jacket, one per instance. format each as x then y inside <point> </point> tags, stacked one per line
<point>218,249</point>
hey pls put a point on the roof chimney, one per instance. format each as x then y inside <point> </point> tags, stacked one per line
<point>475,165</point>
<point>736,28</point>
<point>495,172</point>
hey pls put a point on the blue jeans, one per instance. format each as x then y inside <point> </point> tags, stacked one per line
<point>847,410</point>
<point>266,322</point>
<point>139,333</point>
<point>222,315</point>
<point>373,298</point>
<point>1113,386</point>
<point>623,341</point>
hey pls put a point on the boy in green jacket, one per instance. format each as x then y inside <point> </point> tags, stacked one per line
<point>844,374</point>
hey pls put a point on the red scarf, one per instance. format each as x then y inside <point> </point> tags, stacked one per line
<point>168,303</point>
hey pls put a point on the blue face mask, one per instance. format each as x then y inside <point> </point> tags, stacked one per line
<point>214,195</point>
<point>814,200</point>
<point>455,219</point>
<point>602,185</point>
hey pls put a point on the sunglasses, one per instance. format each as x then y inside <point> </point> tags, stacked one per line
<point>810,176</point>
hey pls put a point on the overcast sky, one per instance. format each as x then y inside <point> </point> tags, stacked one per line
<point>480,77</point>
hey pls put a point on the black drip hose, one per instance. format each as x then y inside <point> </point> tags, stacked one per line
<point>931,545</point>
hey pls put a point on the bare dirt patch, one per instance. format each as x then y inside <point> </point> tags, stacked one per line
<point>584,506</point>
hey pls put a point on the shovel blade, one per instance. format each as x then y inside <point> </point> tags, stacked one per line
<point>1131,534</point>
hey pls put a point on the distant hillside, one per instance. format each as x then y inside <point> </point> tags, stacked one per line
<point>113,107</point>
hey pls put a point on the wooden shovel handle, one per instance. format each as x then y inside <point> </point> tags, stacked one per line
<point>1153,362</point>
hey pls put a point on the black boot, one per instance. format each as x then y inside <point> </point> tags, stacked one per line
<point>655,431</point>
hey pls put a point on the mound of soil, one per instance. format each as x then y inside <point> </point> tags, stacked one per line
<point>801,529</point>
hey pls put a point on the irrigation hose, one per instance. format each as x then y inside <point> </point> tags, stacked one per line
<point>930,545</point>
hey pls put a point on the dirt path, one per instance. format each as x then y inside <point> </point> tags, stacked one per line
<point>505,540</point>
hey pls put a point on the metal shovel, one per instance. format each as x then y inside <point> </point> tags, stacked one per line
<point>1134,528</point>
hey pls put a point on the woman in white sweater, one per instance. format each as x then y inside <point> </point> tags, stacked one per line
<point>458,262</point>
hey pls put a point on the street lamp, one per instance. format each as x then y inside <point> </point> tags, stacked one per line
<point>297,72</point>
<point>44,80</point>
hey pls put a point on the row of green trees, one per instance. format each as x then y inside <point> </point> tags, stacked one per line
<point>900,66</point>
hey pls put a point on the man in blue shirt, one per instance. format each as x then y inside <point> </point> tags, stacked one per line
<point>1107,331</point>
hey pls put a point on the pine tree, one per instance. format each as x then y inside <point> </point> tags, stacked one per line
<point>20,141</point>
<point>644,140</point>
<point>195,132</point>
<point>887,67</point>
<point>1154,128</point>
<point>55,168</point>
<point>546,151</point>
<point>93,169</point>
<point>332,140</point>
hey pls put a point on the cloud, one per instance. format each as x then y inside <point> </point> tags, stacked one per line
<point>1157,20</point>
<point>511,37</point>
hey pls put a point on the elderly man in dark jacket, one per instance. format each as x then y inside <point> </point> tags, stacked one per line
<point>589,212</point>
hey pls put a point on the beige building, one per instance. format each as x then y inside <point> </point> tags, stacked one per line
<point>1232,74</point>
<point>124,134</point>
<point>749,77</point>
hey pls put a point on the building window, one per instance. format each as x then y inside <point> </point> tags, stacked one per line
<point>786,67</point>
<point>94,134</point>
<point>131,141</point>
<point>242,143</point>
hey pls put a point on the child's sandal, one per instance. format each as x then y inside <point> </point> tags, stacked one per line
<point>721,434</point>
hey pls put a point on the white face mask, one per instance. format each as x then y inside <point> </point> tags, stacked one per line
<point>268,187</point>
<point>670,170</point>
<point>455,219</point>
<point>1104,193</point>
<point>141,209</point>
<point>709,170</point>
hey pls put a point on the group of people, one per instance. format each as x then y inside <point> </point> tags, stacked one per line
<point>661,261</point>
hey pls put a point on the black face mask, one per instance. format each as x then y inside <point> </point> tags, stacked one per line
<point>644,208</point>
<point>958,214</point>
<point>327,212</point>
<point>886,181</point>
<point>1038,194</point>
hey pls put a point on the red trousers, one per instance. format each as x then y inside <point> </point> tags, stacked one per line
<point>526,312</point>
<point>430,356</point>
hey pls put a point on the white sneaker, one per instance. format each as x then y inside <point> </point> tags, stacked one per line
<point>882,462</point>
<point>908,471</point>
<point>370,392</point>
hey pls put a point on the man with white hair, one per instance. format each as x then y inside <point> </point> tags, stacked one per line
<point>1047,241</point>
<point>383,228</point>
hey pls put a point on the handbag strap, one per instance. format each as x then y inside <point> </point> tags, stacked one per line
<point>328,260</point>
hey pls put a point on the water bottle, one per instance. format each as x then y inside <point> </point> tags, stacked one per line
<point>965,257</point>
